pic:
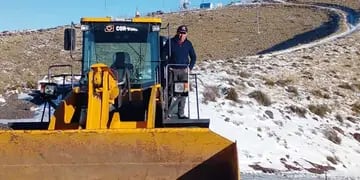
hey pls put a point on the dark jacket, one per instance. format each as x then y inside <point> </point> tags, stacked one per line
<point>180,53</point>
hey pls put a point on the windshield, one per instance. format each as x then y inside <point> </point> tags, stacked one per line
<point>103,42</point>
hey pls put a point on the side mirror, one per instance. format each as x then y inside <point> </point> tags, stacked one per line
<point>163,49</point>
<point>69,39</point>
<point>163,41</point>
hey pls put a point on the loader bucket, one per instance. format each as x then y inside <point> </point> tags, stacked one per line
<point>175,153</point>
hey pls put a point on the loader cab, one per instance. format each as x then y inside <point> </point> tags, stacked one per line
<point>131,44</point>
<point>131,52</point>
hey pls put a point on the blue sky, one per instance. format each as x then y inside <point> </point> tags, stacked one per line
<point>35,14</point>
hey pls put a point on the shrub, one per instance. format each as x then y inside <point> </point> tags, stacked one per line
<point>260,97</point>
<point>357,137</point>
<point>326,96</point>
<point>269,82</point>
<point>270,114</point>
<point>292,89</point>
<point>210,94</point>
<point>345,86</point>
<point>351,119</point>
<point>244,74</point>
<point>339,130</point>
<point>308,57</point>
<point>356,107</point>
<point>283,82</point>
<point>357,85</point>
<point>259,129</point>
<point>232,95</point>
<point>332,136</point>
<point>318,93</point>
<point>339,118</point>
<point>333,160</point>
<point>319,110</point>
<point>31,84</point>
<point>298,110</point>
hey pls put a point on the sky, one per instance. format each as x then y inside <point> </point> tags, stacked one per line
<point>36,14</point>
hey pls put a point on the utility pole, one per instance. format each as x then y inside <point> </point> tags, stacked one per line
<point>258,18</point>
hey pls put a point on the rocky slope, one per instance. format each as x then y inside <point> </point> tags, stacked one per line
<point>222,33</point>
<point>295,112</point>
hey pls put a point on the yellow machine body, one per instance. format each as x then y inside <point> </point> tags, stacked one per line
<point>102,92</point>
<point>168,153</point>
<point>99,144</point>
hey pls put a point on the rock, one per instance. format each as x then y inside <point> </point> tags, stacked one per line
<point>270,114</point>
<point>357,136</point>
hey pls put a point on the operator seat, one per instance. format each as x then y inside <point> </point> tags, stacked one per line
<point>122,68</point>
<point>121,65</point>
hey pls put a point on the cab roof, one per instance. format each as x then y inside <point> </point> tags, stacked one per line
<point>111,19</point>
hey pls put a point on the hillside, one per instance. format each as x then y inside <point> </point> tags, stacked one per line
<point>222,33</point>
<point>295,112</point>
<point>355,5</point>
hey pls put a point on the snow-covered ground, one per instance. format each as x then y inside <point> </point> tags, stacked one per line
<point>270,136</point>
<point>274,136</point>
<point>267,135</point>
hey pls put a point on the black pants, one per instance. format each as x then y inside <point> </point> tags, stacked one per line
<point>177,75</point>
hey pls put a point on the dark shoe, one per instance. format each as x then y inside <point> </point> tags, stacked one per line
<point>171,116</point>
<point>183,117</point>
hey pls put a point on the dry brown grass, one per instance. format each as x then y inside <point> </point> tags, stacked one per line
<point>339,118</point>
<point>352,119</point>
<point>244,74</point>
<point>298,110</point>
<point>320,110</point>
<point>357,86</point>
<point>211,93</point>
<point>334,160</point>
<point>292,89</point>
<point>25,58</point>
<point>339,130</point>
<point>232,32</point>
<point>346,86</point>
<point>232,95</point>
<point>319,93</point>
<point>217,34</point>
<point>332,136</point>
<point>357,137</point>
<point>283,82</point>
<point>260,97</point>
<point>348,3</point>
<point>269,82</point>
<point>356,107</point>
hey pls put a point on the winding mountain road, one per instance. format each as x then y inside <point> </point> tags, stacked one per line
<point>350,24</point>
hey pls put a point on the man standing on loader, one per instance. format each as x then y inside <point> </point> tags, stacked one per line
<point>181,50</point>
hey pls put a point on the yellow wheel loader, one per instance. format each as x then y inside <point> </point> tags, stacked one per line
<point>114,123</point>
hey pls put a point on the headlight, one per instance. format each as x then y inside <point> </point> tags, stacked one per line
<point>155,28</point>
<point>84,27</point>
<point>50,90</point>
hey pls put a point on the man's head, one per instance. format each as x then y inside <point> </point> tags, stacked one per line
<point>182,32</point>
